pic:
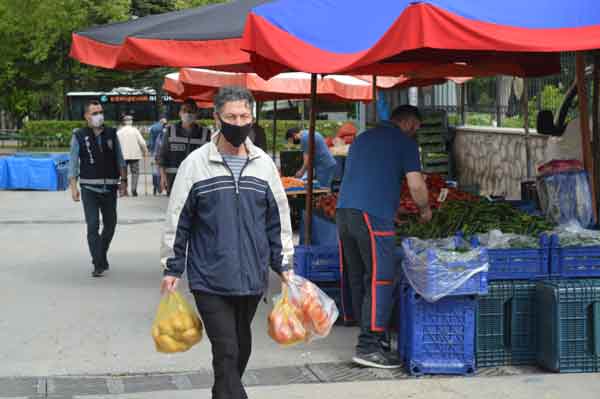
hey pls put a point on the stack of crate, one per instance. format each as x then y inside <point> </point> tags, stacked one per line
<point>432,138</point>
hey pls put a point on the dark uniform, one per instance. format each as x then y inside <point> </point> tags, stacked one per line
<point>100,162</point>
<point>177,144</point>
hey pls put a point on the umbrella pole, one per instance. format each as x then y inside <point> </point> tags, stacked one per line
<point>375,98</point>
<point>584,120</point>
<point>311,157</point>
<point>526,127</point>
<point>274,129</point>
<point>463,102</point>
<point>596,126</point>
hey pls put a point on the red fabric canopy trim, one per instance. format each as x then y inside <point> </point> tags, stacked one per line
<point>435,35</point>
<point>137,53</point>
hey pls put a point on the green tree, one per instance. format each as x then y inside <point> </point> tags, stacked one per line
<point>35,38</point>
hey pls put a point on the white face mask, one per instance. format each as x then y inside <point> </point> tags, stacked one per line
<point>188,118</point>
<point>97,120</point>
<point>128,123</point>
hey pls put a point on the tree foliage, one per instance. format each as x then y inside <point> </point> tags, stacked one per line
<point>35,38</point>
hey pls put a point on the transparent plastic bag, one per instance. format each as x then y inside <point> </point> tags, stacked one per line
<point>318,312</point>
<point>284,323</point>
<point>496,239</point>
<point>437,268</point>
<point>565,197</point>
<point>176,327</point>
<point>573,235</point>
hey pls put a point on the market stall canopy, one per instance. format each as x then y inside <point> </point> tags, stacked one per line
<point>388,82</point>
<point>207,36</point>
<point>204,83</point>
<point>512,37</point>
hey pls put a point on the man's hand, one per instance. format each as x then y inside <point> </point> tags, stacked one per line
<point>425,215</point>
<point>299,173</point>
<point>75,194</point>
<point>287,276</point>
<point>169,283</point>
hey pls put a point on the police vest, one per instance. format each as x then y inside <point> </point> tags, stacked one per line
<point>98,164</point>
<point>179,144</point>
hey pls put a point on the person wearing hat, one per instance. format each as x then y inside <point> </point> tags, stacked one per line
<point>179,141</point>
<point>134,148</point>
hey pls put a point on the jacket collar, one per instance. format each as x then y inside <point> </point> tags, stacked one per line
<point>215,156</point>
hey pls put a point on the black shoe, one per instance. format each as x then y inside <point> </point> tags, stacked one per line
<point>106,267</point>
<point>97,273</point>
<point>376,360</point>
<point>134,193</point>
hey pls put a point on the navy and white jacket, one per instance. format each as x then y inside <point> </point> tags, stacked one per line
<point>226,234</point>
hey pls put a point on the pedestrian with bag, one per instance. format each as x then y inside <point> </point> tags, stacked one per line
<point>228,220</point>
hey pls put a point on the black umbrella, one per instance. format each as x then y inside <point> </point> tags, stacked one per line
<point>206,37</point>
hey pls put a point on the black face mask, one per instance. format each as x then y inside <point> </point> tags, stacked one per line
<point>235,134</point>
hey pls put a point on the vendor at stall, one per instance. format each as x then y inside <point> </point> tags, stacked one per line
<point>377,163</point>
<point>324,163</point>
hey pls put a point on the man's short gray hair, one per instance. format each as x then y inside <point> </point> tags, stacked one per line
<point>232,93</point>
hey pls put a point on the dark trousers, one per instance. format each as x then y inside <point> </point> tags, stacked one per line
<point>170,181</point>
<point>227,321</point>
<point>355,240</point>
<point>93,204</point>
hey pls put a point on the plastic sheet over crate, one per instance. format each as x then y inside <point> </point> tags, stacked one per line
<point>436,338</point>
<point>435,268</point>
<point>507,325</point>
<point>569,326</point>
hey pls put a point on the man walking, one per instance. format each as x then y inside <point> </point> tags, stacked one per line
<point>228,219</point>
<point>97,161</point>
<point>179,141</point>
<point>134,148</point>
<point>377,163</point>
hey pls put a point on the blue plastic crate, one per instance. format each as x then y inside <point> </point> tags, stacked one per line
<point>437,338</point>
<point>476,285</point>
<point>573,261</point>
<point>568,327</point>
<point>520,264</point>
<point>317,263</point>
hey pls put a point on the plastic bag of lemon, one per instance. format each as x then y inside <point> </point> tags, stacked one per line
<point>176,327</point>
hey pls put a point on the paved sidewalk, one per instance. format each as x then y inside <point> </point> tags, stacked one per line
<point>58,320</point>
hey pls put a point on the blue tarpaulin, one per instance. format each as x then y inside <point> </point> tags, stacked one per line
<point>3,174</point>
<point>32,172</point>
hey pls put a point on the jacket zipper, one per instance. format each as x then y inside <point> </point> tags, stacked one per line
<point>237,203</point>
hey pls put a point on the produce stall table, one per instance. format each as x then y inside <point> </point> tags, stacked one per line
<point>296,200</point>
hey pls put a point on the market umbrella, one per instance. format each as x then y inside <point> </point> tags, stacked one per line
<point>292,85</point>
<point>459,34</point>
<point>208,36</point>
<point>304,36</point>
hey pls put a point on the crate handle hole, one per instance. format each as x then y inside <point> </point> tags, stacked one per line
<point>470,370</point>
<point>416,370</point>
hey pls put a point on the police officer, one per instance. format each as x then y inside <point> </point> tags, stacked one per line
<point>179,140</point>
<point>97,161</point>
